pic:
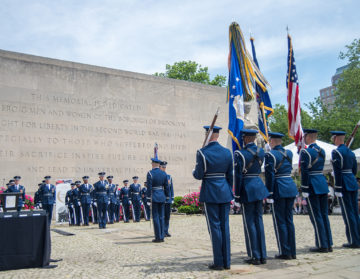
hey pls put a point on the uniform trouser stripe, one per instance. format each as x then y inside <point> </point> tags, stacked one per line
<point>208,223</point>
<point>276,228</point>
<point>347,223</point>
<point>315,223</point>
<point>247,239</point>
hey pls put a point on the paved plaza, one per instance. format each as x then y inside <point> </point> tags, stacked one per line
<point>126,251</point>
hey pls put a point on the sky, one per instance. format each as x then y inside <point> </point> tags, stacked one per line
<point>144,36</point>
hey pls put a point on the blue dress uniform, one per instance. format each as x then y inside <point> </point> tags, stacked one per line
<point>37,198</point>
<point>315,189</point>
<point>282,190</point>
<point>169,201</point>
<point>214,166</point>
<point>117,205</point>
<point>251,191</point>
<point>85,198</point>
<point>135,189</point>
<point>17,188</point>
<point>157,192</point>
<point>48,194</point>
<point>346,189</point>
<point>77,204</point>
<point>69,202</point>
<point>94,212</point>
<point>101,191</point>
<point>125,201</point>
<point>146,207</point>
<point>112,199</point>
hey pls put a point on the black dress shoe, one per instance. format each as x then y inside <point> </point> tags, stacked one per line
<point>318,250</point>
<point>263,261</point>
<point>330,249</point>
<point>157,240</point>
<point>215,267</point>
<point>227,267</point>
<point>348,245</point>
<point>55,261</point>
<point>162,240</point>
<point>293,257</point>
<point>283,257</point>
<point>253,261</point>
<point>168,235</point>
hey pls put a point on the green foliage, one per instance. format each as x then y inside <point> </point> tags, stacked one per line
<point>191,71</point>
<point>177,202</point>
<point>189,209</point>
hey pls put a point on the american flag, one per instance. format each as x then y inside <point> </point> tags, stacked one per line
<point>292,84</point>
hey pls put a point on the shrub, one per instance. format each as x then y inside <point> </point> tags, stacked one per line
<point>178,202</point>
<point>29,202</point>
<point>189,209</point>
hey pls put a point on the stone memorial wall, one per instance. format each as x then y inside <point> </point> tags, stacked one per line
<point>67,120</point>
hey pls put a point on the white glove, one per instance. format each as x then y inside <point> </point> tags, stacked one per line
<point>149,203</point>
<point>121,203</point>
<point>79,204</point>
<point>305,195</point>
<point>108,202</point>
<point>130,202</point>
<point>269,200</point>
<point>40,204</point>
<point>237,204</point>
<point>95,203</point>
<point>172,201</point>
<point>339,194</point>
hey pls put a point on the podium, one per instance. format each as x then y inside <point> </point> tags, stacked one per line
<point>24,240</point>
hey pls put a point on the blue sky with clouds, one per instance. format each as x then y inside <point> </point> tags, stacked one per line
<point>143,36</point>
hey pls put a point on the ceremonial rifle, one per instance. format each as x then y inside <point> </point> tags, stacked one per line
<point>210,131</point>
<point>352,136</point>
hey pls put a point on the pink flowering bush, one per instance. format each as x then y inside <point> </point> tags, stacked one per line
<point>29,202</point>
<point>191,204</point>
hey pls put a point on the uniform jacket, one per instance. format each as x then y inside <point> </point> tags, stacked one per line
<point>48,195</point>
<point>101,192</point>
<point>117,196</point>
<point>345,168</point>
<point>135,192</point>
<point>312,162</point>
<point>278,169</point>
<point>214,166</point>
<point>76,196</point>
<point>171,189</point>
<point>20,189</point>
<point>85,193</point>
<point>37,198</point>
<point>143,194</point>
<point>69,201</point>
<point>125,195</point>
<point>157,186</point>
<point>112,189</point>
<point>248,185</point>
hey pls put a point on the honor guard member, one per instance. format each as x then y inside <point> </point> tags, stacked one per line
<point>315,189</point>
<point>346,188</point>
<point>69,202</point>
<point>214,166</point>
<point>85,198</point>
<point>94,212</point>
<point>282,192</point>
<point>135,189</point>
<point>112,199</point>
<point>125,201</point>
<point>157,191</point>
<point>117,205</point>
<point>146,207</point>
<point>77,204</point>
<point>47,196</point>
<point>17,188</point>
<point>101,190</point>
<point>169,201</point>
<point>37,199</point>
<point>251,191</point>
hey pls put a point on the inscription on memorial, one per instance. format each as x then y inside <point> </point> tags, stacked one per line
<point>67,120</point>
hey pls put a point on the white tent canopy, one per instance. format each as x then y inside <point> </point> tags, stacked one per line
<point>328,148</point>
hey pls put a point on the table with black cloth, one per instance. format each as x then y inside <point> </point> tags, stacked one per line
<point>24,240</point>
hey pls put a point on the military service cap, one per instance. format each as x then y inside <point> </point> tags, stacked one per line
<point>275,135</point>
<point>216,129</point>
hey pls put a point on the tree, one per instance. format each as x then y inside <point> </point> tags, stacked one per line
<point>191,71</point>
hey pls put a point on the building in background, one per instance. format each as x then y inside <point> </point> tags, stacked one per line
<point>327,94</point>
